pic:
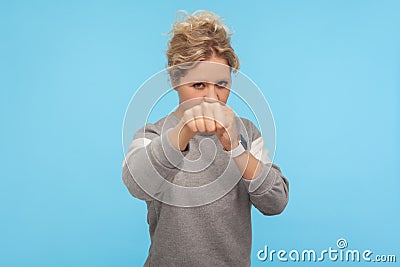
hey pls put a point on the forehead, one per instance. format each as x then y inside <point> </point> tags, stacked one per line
<point>206,71</point>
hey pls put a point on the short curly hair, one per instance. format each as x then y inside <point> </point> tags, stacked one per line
<point>197,37</point>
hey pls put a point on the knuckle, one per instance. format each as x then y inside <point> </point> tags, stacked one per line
<point>205,106</point>
<point>187,113</point>
<point>197,108</point>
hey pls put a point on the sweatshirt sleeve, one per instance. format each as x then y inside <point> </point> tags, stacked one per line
<point>269,191</point>
<point>151,161</point>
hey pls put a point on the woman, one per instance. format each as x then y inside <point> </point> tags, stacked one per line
<point>217,233</point>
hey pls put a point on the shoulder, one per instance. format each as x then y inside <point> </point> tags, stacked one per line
<point>151,130</point>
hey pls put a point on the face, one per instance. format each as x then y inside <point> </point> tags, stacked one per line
<point>208,79</point>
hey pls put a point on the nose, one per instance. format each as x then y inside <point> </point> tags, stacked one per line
<point>211,91</point>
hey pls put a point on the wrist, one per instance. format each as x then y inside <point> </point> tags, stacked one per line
<point>181,135</point>
<point>233,145</point>
<point>237,151</point>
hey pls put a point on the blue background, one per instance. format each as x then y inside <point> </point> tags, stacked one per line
<point>329,69</point>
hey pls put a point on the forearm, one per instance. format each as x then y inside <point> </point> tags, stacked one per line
<point>269,191</point>
<point>152,163</point>
<point>248,165</point>
<point>179,136</point>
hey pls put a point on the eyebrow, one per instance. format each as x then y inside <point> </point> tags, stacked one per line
<point>227,80</point>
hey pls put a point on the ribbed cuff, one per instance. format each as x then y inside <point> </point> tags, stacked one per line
<point>263,182</point>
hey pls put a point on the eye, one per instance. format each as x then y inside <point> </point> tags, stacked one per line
<point>222,84</point>
<point>198,85</point>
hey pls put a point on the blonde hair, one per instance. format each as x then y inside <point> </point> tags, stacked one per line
<point>197,37</point>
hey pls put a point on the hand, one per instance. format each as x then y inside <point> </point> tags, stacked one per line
<point>211,117</point>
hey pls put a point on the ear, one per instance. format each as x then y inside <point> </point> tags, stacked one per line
<point>173,83</point>
<point>175,86</point>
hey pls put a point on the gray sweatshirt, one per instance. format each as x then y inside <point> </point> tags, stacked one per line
<point>214,234</point>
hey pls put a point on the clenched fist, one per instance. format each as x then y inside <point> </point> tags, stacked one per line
<point>207,116</point>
